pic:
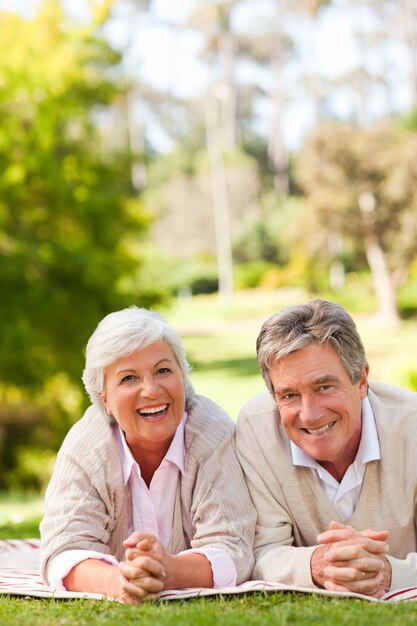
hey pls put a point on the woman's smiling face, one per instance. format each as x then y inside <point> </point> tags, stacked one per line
<point>144,392</point>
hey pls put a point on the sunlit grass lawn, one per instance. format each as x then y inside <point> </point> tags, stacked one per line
<point>252,610</point>
<point>220,342</point>
<point>280,609</point>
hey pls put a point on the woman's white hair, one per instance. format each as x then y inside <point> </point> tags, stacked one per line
<point>120,334</point>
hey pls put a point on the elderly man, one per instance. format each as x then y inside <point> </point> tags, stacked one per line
<point>330,459</point>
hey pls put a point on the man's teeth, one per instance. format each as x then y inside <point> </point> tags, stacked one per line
<point>154,409</point>
<point>318,431</point>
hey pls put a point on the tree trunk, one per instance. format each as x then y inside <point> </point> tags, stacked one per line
<point>277,152</point>
<point>227,47</point>
<point>139,175</point>
<point>383,284</point>
<point>221,209</point>
<point>384,288</point>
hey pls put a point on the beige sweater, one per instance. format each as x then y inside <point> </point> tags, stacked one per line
<point>87,505</point>
<point>293,507</point>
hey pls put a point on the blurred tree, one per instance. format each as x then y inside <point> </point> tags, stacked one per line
<point>311,10</point>
<point>268,236</point>
<point>408,17</point>
<point>68,218</point>
<point>361,184</point>
<point>180,194</point>
<point>214,21</point>
<point>71,223</point>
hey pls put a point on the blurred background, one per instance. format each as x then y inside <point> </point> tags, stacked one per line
<point>214,160</point>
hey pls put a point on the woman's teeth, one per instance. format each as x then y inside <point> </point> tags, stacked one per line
<point>151,411</point>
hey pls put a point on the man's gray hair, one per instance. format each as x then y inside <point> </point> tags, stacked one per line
<point>120,334</point>
<point>320,322</point>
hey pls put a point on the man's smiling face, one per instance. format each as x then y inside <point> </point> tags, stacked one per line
<point>320,407</point>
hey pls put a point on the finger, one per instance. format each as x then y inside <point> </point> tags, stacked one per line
<point>343,552</point>
<point>334,525</point>
<point>142,589</point>
<point>350,552</point>
<point>153,596</point>
<point>365,568</point>
<point>348,571</point>
<point>362,545</point>
<point>142,566</point>
<point>125,598</point>
<point>336,534</point>
<point>378,535</point>
<point>135,538</point>
<point>369,587</point>
<point>133,553</point>
<point>145,550</point>
<point>149,585</point>
<point>331,586</point>
<point>342,574</point>
<point>145,544</point>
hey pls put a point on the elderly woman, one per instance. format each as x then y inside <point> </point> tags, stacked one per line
<point>147,493</point>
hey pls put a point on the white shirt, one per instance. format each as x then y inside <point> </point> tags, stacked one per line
<point>345,495</point>
<point>152,512</point>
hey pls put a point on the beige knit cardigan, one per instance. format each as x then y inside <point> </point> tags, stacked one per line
<point>293,507</point>
<point>87,504</point>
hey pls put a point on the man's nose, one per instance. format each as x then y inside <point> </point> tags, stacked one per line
<point>311,410</point>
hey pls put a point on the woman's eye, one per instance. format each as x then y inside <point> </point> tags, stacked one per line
<point>128,378</point>
<point>163,370</point>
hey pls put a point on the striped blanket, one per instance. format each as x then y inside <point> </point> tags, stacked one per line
<point>19,576</point>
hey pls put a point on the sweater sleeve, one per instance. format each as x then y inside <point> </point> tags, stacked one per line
<point>404,571</point>
<point>221,512</point>
<point>82,501</point>
<point>276,558</point>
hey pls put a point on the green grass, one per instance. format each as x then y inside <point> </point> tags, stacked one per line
<point>220,343</point>
<point>279,609</point>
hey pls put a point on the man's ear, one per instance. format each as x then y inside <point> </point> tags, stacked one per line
<point>363,382</point>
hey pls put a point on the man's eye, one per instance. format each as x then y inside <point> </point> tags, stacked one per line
<point>286,396</point>
<point>325,387</point>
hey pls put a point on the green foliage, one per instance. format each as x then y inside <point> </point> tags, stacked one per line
<point>251,274</point>
<point>32,427</point>
<point>410,120</point>
<point>413,380</point>
<point>64,208</point>
<point>195,276</point>
<point>338,164</point>
<point>70,225</point>
<point>268,237</point>
<point>360,188</point>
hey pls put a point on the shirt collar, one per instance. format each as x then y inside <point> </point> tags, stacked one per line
<point>369,449</point>
<point>175,453</point>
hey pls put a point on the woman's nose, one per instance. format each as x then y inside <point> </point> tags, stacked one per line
<point>149,387</point>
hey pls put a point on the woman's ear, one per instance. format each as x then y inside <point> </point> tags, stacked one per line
<point>103,398</point>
